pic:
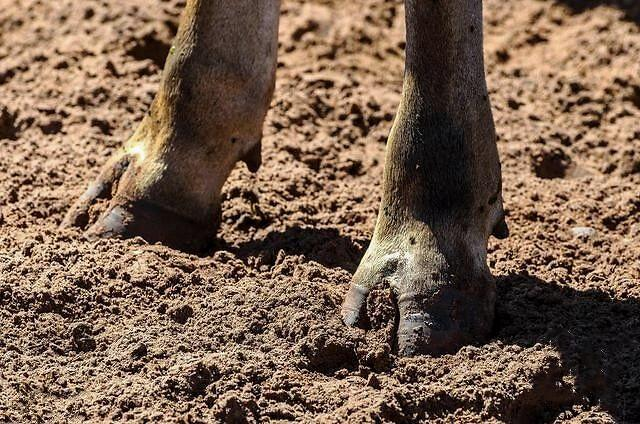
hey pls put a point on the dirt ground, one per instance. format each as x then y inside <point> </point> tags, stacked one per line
<point>122,330</point>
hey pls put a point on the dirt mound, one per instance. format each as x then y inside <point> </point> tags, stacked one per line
<point>106,330</point>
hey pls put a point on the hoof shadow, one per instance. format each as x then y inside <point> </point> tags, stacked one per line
<point>631,9</point>
<point>597,336</point>
<point>323,245</point>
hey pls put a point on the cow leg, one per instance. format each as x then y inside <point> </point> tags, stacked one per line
<point>442,196</point>
<point>165,183</point>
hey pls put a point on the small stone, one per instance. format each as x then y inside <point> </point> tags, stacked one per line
<point>139,351</point>
<point>8,124</point>
<point>192,378</point>
<point>181,314</point>
<point>52,126</point>
<point>583,232</point>
<point>101,124</point>
<point>82,337</point>
<point>373,382</point>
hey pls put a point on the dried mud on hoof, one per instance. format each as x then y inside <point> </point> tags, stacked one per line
<point>106,330</point>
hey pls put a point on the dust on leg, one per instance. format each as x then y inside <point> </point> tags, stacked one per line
<point>442,191</point>
<point>165,184</point>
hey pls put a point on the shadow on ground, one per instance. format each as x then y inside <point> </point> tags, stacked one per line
<point>598,337</point>
<point>323,245</point>
<point>631,8</point>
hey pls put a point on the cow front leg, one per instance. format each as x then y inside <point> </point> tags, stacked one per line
<point>442,196</point>
<point>165,183</point>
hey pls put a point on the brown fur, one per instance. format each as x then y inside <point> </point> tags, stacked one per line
<point>208,114</point>
<point>442,185</point>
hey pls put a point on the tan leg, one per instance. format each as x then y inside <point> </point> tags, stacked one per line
<point>442,188</point>
<point>218,81</point>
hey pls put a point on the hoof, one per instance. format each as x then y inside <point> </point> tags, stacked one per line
<point>125,218</point>
<point>438,311</point>
<point>154,224</point>
<point>446,321</point>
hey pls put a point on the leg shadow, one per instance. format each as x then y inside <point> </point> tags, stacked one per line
<point>631,8</point>
<point>323,245</point>
<point>597,336</point>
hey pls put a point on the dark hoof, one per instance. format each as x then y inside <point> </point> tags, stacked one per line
<point>101,188</point>
<point>445,322</point>
<point>354,302</point>
<point>155,224</point>
<point>132,218</point>
<point>438,311</point>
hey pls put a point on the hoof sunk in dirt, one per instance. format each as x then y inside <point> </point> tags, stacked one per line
<point>154,224</point>
<point>438,312</point>
<point>127,218</point>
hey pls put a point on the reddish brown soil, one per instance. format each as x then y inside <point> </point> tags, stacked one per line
<point>112,330</point>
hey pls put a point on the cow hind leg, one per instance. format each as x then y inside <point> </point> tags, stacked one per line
<point>165,183</point>
<point>441,190</point>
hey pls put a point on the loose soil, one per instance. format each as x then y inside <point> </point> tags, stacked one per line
<point>123,330</point>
